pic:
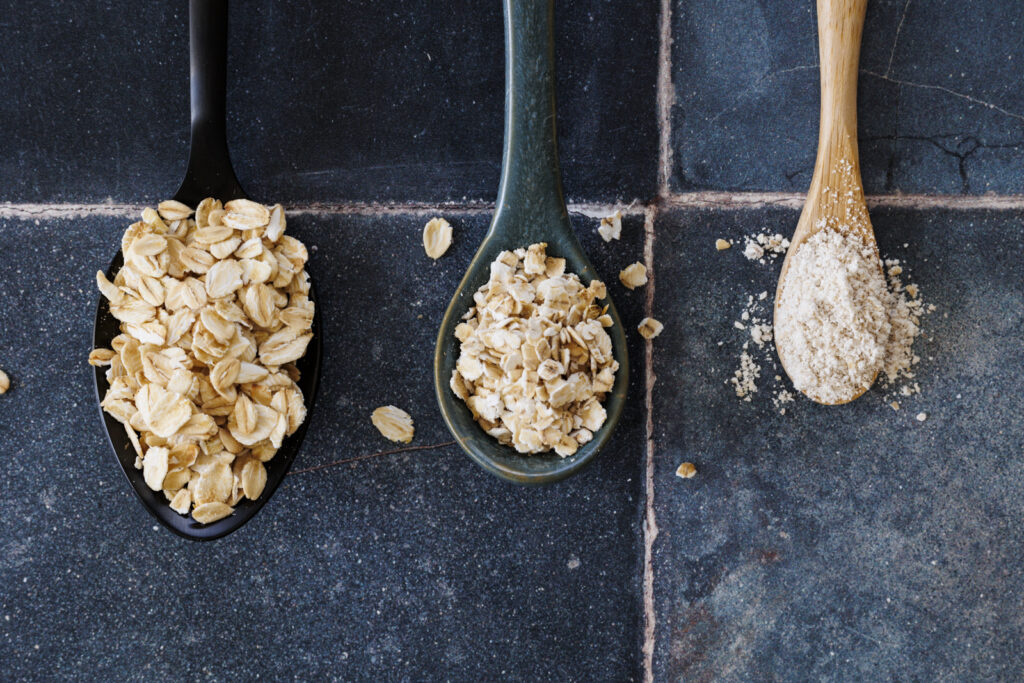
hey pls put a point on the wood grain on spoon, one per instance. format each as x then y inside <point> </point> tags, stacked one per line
<point>836,197</point>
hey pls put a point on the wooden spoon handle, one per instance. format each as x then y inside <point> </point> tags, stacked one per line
<point>836,185</point>
<point>840,26</point>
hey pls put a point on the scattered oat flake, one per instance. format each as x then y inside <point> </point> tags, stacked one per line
<point>611,227</point>
<point>686,471</point>
<point>634,275</point>
<point>722,245</point>
<point>5,382</point>
<point>649,328</point>
<point>394,423</point>
<point>895,405</point>
<point>437,237</point>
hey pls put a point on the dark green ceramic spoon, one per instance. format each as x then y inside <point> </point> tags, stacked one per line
<point>530,209</point>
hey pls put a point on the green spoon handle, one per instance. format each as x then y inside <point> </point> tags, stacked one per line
<point>530,202</point>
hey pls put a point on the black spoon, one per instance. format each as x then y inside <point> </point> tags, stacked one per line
<point>209,174</point>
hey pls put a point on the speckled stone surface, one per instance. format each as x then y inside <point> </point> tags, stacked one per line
<point>851,543</point>
<point>941,102</point>
<point>404,567</point>
<point>361,100</point>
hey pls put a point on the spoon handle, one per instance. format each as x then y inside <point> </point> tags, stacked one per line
<point>837,168</point>
<point>530,202</point>
<point>209,170</point>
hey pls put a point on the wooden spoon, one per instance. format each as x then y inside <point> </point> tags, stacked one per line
<point>836,197</point>
<point>530,209</point>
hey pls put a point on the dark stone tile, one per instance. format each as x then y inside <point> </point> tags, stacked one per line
<point>353,101</point>
<point>406,567</point>
<point>935,116</point>
<point>842,543</point>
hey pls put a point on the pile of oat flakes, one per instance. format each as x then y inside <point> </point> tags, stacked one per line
<point>214,311</point>
<point>535,361</point>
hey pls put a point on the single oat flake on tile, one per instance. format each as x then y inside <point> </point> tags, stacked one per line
<point>611,227</point>
<point>634,275</point>
<point>649,328</point>
<point>394,423</point>
<point>687,470</point>
<point>437,237</point>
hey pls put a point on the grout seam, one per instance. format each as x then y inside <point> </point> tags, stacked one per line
<point>30,211</point>
<point>650,525</point>
<point>698,200</point>
<point>665,99</point>
<point>794,200</point>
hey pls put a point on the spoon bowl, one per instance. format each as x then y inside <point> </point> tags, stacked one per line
<point>106,328</point>
<point>209,174</point>
<point>530,209</point>
<point>835,200</point>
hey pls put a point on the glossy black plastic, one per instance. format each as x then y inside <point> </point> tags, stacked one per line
<point>209,174</point>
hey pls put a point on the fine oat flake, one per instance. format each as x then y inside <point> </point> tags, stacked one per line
<point>758,372</point>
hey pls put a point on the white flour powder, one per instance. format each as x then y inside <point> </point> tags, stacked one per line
<point>904,309</point>
<point>831,321</point>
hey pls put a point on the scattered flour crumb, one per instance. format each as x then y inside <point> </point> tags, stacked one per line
<point>744,380</point>
<point>761,333</point>
<point>764,247</point>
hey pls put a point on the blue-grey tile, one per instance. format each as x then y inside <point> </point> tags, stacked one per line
<point>935,115</point>
<point>352,101</point>
<point>417,566</point>
<point>842,543</point>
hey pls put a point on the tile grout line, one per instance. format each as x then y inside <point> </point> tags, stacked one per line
<point>650,525</point>
<point>665,98</point>
<point>33,211</point>
<point>795,200</point>
<point>710,199</point>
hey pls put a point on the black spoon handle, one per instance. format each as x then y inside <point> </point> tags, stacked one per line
<point>209,170</point>
<point>530,195</point>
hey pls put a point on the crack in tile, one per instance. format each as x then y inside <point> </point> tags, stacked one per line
<point>757,84</point>
<point>948,91</point>
<point>367,456</point>
<point>896,39</point>
<point>973,145</point>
